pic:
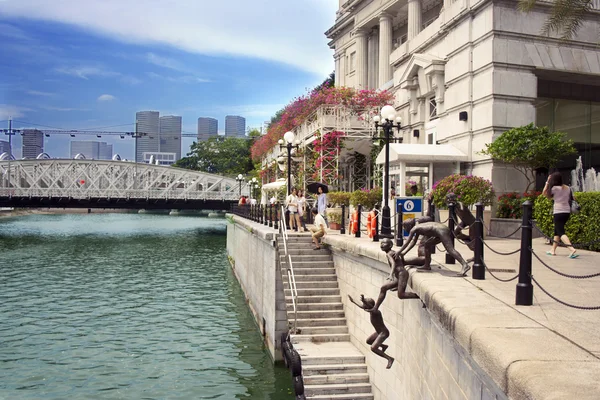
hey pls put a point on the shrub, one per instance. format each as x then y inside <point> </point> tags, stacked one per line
<point>468,189</point>
<point>367,198</point>
<point>334,216</point>
<point>581,228</point>
<point>510,204</point>
<point>336,199</point>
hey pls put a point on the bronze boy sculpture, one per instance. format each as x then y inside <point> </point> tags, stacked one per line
<point>381,331</point>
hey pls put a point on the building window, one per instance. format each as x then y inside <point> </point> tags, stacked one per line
<point>432,109</point>
<point>352,61</point>
<point>431,138</point>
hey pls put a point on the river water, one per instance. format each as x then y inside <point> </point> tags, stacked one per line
<point>126,306</point>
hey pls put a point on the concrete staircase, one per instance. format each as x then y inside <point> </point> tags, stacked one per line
<point>333,368</point>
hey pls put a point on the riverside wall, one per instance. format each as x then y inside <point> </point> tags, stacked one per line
<point>430,362</point>
<point>254,259</point>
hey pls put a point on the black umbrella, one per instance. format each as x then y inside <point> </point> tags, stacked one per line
<point>314,187</point>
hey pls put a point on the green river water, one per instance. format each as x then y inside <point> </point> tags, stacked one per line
<point>126,306</point>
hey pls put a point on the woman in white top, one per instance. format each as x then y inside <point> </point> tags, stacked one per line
<point>292,205</point>
<point>301,201</point>
<point>561,194</point>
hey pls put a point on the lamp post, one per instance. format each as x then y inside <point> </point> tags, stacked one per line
<point>240,179</point>
<point>289,145</point>
<point>253,186</point>
<point>386,122</point>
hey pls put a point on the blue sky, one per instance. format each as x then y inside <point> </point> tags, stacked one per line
<point>75,64</point>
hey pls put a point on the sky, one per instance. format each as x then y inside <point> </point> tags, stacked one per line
<point>73,64</point>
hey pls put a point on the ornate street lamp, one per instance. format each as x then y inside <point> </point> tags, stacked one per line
<point>240,179</point>
<point>386,122</point>
<point>289,145</point>
<point>253,186</point>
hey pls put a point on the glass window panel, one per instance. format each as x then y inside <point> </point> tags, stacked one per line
<point>573,118</point>
<point>544,113</point>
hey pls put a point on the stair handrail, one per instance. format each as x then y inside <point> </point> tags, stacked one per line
<point>290,270</point>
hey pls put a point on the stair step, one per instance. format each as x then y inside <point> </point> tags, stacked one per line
<point>312,284</point>
<point>322,330</point>
<point>321,338</point>
<point>336,379</point>
<point>319,322</point>
<point>315,306</point>
<point>315,299</point>
<point>316,314</point>
<point>351,396</point>
<point>315,278</point>
<point>329,360</point>
<point>310,257</point>
<point>332,369</point>
<point>309,264</point>
<point>329,270</point>
<point>305,250</point>
<point>313,292</point>
<point>344,388</point>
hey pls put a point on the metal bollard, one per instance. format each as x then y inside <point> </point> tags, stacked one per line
<point>399,230</point>
<point>451,218</point>
<point>430,209</point>
<point>270,215</point>
<point>359,210</point>
<point>343,220</point>
<point>276,219</point>
<point>524,295</point>
<point>478,265</point>
<point>376,222</point>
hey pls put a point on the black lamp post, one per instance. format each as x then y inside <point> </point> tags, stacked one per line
<point>289,145</point>
<point>388,116</point>
<point>240,179</point>
<point>253,186</point>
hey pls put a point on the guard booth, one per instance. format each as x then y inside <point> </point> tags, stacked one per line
<point>412,207</point>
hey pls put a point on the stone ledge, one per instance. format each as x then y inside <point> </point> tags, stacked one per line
<point>524,358</point>
<point>260,230</point>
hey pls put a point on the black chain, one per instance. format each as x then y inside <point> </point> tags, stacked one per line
<point>495,277</point>
<point>441,251</point>
<point>562,273</point>
<point>499,252</point>
<point>564,303</point>
<point>502,237</point>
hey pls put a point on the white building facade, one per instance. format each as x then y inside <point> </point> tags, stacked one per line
<point>464,71</point>
<point>207,128</point>
<point>91,149</point>
<point>170,135</point>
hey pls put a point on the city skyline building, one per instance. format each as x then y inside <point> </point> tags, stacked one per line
<point>163,158</point>
<point>91,149</point>
<point>207,127</point>
<point>170,135</point>
<point>32,144</point>
<point>148,124</point>
<point>4,147</point>
<point>235,126</point>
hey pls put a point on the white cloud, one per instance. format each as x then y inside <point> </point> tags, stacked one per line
<point>39,93</point>
<point>64,109</point>
<point>106,97</point>
<point>164,62</point>
<point>290,32</point>
<point>179,79</point>
<point>7,110</point>
<point>85,72</point>
<point>13,32</point>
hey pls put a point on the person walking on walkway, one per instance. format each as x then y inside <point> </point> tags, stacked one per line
<point>322,203</point>
<point>292,205</point>
<point>301,201</point>
<point>561,194</point>
<point>319,228</point>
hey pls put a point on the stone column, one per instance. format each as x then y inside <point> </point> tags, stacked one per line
<point>362,66</point>
<point>373,45</point>
<point>337,69</point>
<point>343,61</point>
<point>385,48</point>
<point>414,18</point>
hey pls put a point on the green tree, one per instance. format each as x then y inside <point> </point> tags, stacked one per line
<point>218,155</point>
<point>528,148</point>
<point>566,16</point>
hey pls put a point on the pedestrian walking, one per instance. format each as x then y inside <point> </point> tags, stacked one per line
<point>562,195</point>
<point>322,203</point>
<point>292,206</point>
<point>301,201</point>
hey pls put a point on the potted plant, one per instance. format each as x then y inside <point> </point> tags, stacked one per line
<point>334,216</point>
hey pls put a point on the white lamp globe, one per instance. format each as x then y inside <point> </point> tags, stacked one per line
<point>388,112</point>
<point>240,177</point>
<point>399,120</point>
<point>253,180</point>
<point>377,118</point>
<point>280,141</point>
<point>289,137</point>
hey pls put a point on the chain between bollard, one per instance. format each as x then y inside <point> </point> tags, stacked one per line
<point>499,279</point>
<point>564,303</point>
<point>501,253</point>
<point>562,273</point>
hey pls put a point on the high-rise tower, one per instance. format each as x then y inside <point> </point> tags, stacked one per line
<point>207,127</point>
<point>147,124</point>
<point>235,126</point>
<point>33,143</point>
<point>170,135</point>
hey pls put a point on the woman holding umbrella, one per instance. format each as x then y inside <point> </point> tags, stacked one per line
<point>320,190</point>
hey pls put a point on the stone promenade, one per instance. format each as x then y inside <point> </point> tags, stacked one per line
<point>543,351</point>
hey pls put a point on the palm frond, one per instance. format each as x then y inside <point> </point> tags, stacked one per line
<point>526,5</point>
<point>566,17</point>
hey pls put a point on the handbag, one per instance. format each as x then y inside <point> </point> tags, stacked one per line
<point>575,207</point>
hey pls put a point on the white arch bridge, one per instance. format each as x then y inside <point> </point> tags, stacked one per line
<point>66,183</point>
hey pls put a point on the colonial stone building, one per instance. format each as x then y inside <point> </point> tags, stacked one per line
<point>464,71</point>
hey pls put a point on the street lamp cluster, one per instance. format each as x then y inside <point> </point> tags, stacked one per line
<point>240,179</point>
<point>253,186</point>
<point>387,121</point>
<point>290,144</point>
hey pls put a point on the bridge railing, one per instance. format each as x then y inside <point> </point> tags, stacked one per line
<point>81,193</point>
